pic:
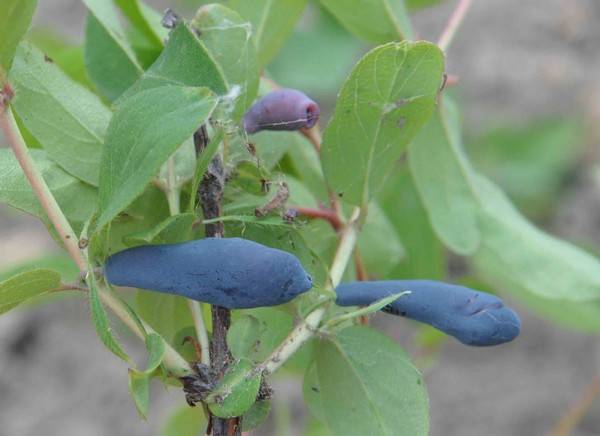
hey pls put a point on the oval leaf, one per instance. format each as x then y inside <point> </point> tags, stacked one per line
<point>227,37</point>
<point>386,100</point>
<point>489,224</point>
<point>369,386</point>
<point>66,118</point>
<point>101,322</point>
<point>109,60</point>
<point>26,285</point>
<point>76,199</point>
<point>184,61</point>
<point>378,22</point>
<point>146,129</point>
<point>236,392</point>
<point>14,22</point>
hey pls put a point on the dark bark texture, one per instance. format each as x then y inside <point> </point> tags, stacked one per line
<point>210,194</point>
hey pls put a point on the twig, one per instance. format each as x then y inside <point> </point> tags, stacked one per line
<point>174,362</point>
<point>568,422</point>
<point>210,195</point>
<point>41,190</point>
<point>453,24</point>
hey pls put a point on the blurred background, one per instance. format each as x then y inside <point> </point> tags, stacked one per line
<point>531,97</point>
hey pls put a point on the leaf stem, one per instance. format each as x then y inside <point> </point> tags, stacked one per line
<point>307,328</point>
<point>453,24</point>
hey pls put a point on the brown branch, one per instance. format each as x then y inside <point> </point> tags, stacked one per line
<point>210,195</point>
<point>568,422</point>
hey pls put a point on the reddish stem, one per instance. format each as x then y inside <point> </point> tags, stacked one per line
<point>321,213</point>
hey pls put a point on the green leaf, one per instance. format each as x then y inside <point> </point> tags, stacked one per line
<point>311,391</point>
<point>379,244</point>
<point>145,130</point>
<point>110,61</point>
<point>306,166</point>
<point>272,23</point>
<point>443,184</point>
<point>185,61</point>
<point>14,22</point>
<point>145,20</point>
<point>243,337</point>
<point>413,5</point>
<point>369,386</point>
<point>101,322</point>
<point>76,199</point>
<point>227,37</point>
<point>147,211</point>
<point>177,228</point>
<point>184,421</point>
<point>424,253</point>
<point>59,262</point>
<point>139,388</point>
<point>578,315</point>
<point>386,100</point>
<point>167,314</point>
<point>156,352</point>
<point>461,202</point>
<point>256,415</point>
<point>236,392</point>
<point>66,118</point>
<point>375,21</point>
<point>26,285</point>
<point>184,160</point>
<point>66,55</point>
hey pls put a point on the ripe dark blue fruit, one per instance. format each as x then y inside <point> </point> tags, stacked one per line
<point>472,317</point>
<point>229,272</point>
<point>284,109</point>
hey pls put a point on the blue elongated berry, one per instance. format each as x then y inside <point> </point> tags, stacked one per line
<point>472,317</point>
<point>229,272</point>
<point>284,109</point>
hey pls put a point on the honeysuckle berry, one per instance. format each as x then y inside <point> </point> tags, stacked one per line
<point>473,317</point>
<point>230,272</point>
<point>284,109</point>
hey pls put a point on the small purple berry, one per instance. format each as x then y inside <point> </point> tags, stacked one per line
<point>284,109</point>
